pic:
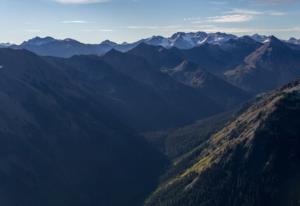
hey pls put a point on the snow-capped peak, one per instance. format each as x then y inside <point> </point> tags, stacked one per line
<point>180,40</point>
<point>158,41</point>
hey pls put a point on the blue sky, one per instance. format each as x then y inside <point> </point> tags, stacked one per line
<point>93,21</point>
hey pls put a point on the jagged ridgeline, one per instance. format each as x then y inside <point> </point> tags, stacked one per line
<point>253,161</point>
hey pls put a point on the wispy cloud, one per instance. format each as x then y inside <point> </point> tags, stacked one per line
<point>236,15</point>
<point>245,11</point>
<point>74,22</point>
<point>277,13</point>
<point>245,30</point>
<point>256,12</point>
<point>234,18</point>
<point>81,1</point>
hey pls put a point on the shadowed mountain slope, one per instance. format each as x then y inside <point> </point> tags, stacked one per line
<point>253,161</point>
<point>214,58</point>
<point>185,104</point>
<point>134,102</point>
<point>220,91</point>
<point>158,56</point>
<point>61,146</point>
<point>179,141</point>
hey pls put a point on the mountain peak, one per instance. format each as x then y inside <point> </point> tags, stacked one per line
<point>38,41</point>
<point>108,42</point>
<point>177,35</point>
<point>147,46</point>
<point>275,39</point>
<point>293,40</point>
<point>69,40</point>
<point>259,38</point>
<point>157,37</point>
<point>113,52</point>
<point>42,38</point>
<point>276,43</point>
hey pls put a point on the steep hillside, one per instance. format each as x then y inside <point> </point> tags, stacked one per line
<point>220,91</point>
<point>61,146</point>
<point>132,101</point>
<point>270,66</point>
<point>252,161</point>
<point>178,141</point>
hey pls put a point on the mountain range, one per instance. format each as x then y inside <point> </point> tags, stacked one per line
<point>193,119</point>
<point>49,46</point>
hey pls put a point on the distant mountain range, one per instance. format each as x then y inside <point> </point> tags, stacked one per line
<point>49,46</point>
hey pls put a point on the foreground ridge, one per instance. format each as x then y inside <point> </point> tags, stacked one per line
<point>254,160</point>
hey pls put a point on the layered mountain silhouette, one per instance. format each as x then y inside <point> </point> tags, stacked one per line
<point>184,120</point>
<point>214,58</point>
<point>254,160</point>
<point>48,46</point>
<point>214,87</point>
<point>184,104</point>
<point>270,66</point>
<point>60,145</point>
<point>140,96</point>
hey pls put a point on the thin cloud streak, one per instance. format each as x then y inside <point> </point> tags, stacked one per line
<point>80,1</point>
<point>74,22</point>
<point>234,18</point>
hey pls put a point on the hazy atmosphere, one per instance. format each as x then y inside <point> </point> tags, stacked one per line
<point>92,21</point>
